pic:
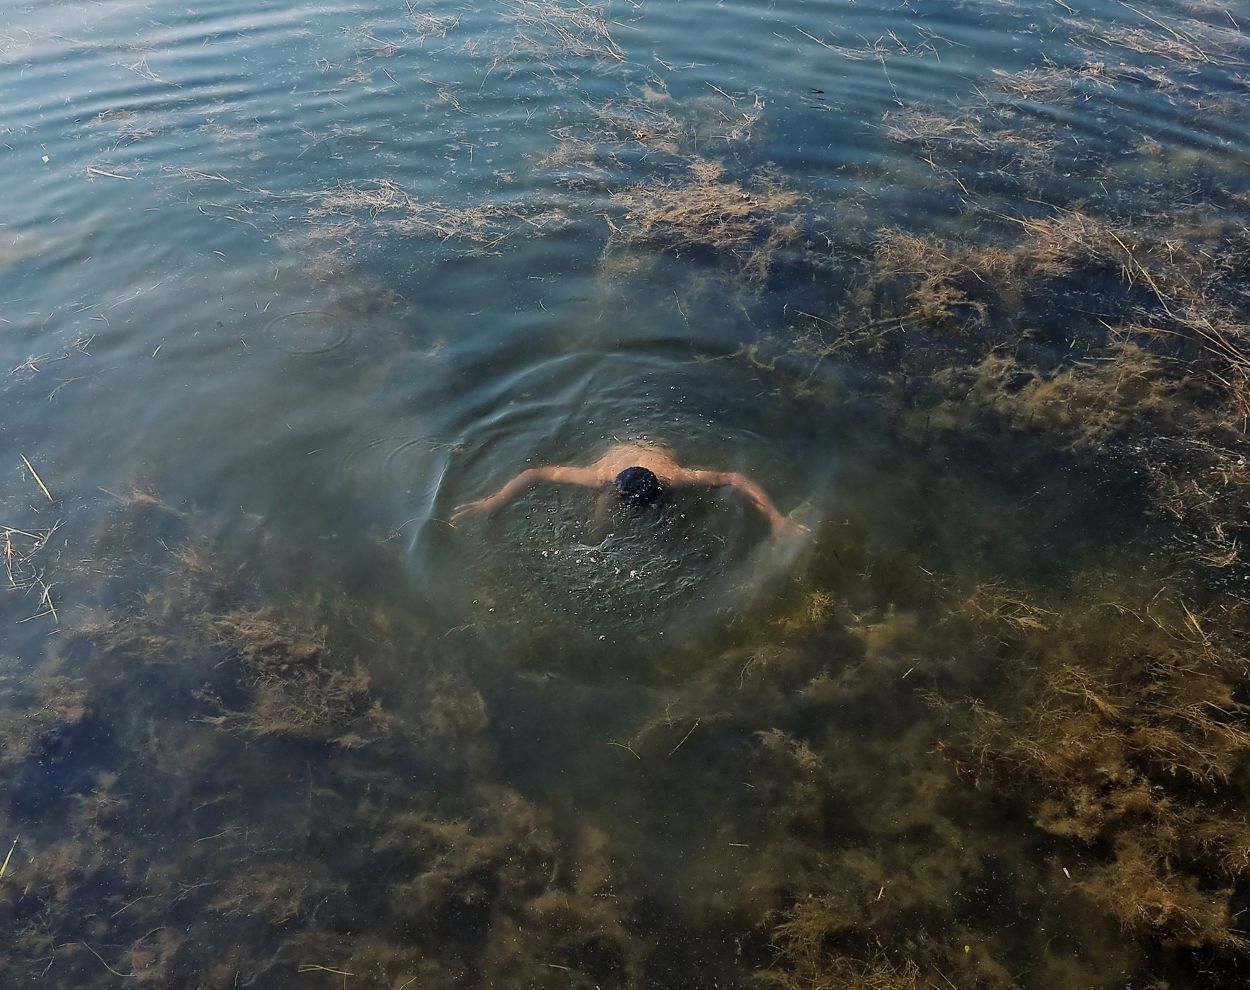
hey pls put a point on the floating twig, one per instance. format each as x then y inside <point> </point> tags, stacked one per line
<point>4,867</point>
<point>626,747</point>
<point>35,474</point>
<point>112,175</point>
<point>685,737</point>
<point>314,968</point>
<point>124,976</point>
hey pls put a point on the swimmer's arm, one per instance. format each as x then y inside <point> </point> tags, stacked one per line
<point>754,493</point>
<point>586,477</point>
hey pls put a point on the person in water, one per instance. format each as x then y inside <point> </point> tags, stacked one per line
<point>640,474</point>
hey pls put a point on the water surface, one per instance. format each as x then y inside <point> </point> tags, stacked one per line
<point>283,284</point>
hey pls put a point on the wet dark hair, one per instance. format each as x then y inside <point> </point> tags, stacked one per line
<point>638,486</point>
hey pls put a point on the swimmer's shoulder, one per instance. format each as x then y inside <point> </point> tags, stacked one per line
<point>652,456</point>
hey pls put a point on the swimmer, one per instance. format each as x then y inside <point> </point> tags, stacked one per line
<point>639,474</point>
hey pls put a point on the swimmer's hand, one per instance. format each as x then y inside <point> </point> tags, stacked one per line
<point>788,526</point>
<point>481,506</point>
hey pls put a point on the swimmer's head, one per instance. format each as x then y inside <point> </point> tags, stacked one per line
<point>637,486</point>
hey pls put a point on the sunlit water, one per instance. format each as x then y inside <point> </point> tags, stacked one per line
<point>192,308</point>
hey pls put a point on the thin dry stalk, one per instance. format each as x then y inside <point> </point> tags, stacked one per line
<point>382,203</point>
<point>38,480</point>
<point>20,548</point>
<point>1052,82</point>
<point>430,25</point>
<point>1192,43</point>
<point>579,30</point>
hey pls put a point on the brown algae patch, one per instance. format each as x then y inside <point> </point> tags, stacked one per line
<point>383,204</point>
<point>1052,83</point>
<point>290,691</point>
<point>893,775</point>
<point>1112,721</point>
<point>1157,374</point>
<point>1134,751</point>
<point>547,29</point>
<point>34,729</point>
<point>738,827</point>
<point>984,133</point>
<point>742,228</point>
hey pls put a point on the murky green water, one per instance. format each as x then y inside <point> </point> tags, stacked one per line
<point>963,286</point>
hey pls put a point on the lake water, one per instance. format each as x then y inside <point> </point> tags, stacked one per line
<point>282,284</point>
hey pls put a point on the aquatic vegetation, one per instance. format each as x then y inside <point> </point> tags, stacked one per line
<point>547,27</point>
<point>651,122</point>
<point>1187,41</point>
<point>1108,723</point>
<point>744,228</point>
<point>1135,750</point>
<point>1053,82</point>
<point>290,692</point>
<point>428,23</point>
<point>989,135</point>
<point>807,937</point>
<point>43,727</point>
<point>384,203</point>
<point>21,550</point>
<point>990,730</point>
<point>1156,376</point>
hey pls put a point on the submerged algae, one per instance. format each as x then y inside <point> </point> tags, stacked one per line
<point>1094,783</point>
<point>1134,752</point>
<point>914,765</point>
<point>1066,756</point>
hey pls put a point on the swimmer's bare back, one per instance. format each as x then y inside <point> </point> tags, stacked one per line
<point>618,458</point>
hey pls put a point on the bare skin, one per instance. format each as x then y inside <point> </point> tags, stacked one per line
<point>603,472</point>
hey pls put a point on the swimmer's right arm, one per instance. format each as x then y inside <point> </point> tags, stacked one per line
<point>586,477</point>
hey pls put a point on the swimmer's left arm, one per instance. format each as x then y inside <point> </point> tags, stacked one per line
<point>528,478</point>
<point>780,524</point>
